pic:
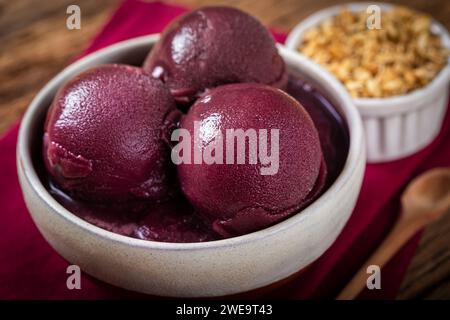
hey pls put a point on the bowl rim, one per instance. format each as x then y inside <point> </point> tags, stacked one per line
<point>25,164</point>
<point>401,102</point>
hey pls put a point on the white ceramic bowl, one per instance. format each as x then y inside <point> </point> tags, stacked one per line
<point>399,126</point>
<point>214,268</point>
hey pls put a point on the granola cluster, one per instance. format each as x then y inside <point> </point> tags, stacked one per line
<point>400,57</point>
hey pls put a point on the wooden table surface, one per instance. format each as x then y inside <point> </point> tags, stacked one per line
<point>35,45</point>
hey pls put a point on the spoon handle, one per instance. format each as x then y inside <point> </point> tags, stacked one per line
<point>402,231</point>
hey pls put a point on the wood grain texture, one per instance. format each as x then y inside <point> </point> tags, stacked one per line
<point>35,45</point>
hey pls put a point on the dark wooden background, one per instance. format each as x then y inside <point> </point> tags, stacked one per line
<point>35,45</point>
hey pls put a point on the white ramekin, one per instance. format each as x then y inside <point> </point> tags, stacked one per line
<point>215,268</point>
<point>399,126</point>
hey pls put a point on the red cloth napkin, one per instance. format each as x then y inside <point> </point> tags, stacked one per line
<point>30,268</point>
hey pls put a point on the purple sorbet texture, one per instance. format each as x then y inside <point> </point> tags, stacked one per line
<point>104,136</point>
<point>212,46</point>
<point>237,198</point>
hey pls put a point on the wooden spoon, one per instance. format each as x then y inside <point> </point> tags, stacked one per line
<point>425,200</point>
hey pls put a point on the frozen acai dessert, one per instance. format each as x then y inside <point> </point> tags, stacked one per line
<point>242,197</point>
<point>213,46</point>
<point>213,137</point>
<point>103,137</point>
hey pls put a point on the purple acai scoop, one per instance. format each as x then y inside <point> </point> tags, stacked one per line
<point>212,46</point>
<point>236,197</point>
<point>103,138</point>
